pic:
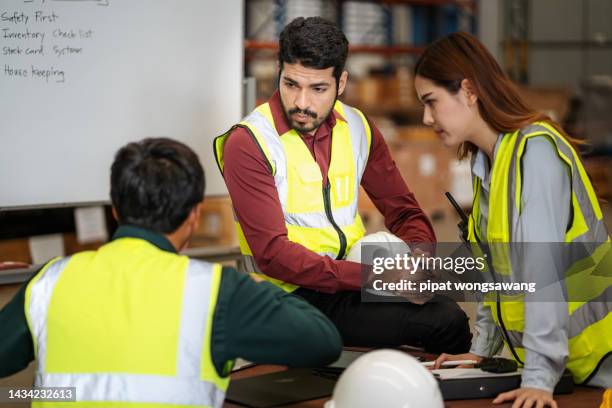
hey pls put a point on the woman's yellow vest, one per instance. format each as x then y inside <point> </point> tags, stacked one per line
<point>128,325</point>
<point>323,219</point>
<point>589,277</point>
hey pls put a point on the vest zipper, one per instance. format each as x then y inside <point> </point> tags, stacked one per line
<point>330,217</point>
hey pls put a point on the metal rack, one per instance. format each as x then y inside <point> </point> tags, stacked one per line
<point>436,23</point>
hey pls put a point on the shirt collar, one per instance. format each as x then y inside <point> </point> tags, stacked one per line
<point>281,122</point>
<point>152,237</point>
<point>480,163</point>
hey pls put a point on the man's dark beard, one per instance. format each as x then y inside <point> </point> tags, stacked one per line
<point>303,112</point>
<point>315,124</point>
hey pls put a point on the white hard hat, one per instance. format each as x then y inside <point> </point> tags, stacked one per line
<point>385,240</point>
<point>386,378</point>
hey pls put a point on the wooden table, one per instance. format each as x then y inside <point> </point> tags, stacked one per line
<point>582,397</point>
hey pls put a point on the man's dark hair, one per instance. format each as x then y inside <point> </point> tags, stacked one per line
<point>155,183</point>
<point>315,43</point>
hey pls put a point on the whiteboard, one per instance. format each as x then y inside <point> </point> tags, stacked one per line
<point>81,78</point>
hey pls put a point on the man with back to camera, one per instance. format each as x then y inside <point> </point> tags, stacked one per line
<point>136,323</point>
<point>293,169</point>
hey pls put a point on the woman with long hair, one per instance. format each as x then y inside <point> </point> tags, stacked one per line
<point>529,187</point>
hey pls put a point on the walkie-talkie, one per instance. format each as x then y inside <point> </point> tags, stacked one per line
<point>497,365</point>
<point>463,224</point>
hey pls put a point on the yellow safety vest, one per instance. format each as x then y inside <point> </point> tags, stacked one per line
<point>590,321</point>
<point>126,325</point>
<point>323,219</point>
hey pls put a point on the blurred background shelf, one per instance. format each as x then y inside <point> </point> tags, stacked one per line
<point>558,51</point>
<point>250,45</point>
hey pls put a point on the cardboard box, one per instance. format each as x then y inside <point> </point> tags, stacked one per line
<point>425,167</point>
<point>15,250</point>
<point>555,102</point>
<point>18,250</point>
<point>216,225</point>
<point>417,134</point>
<point>380,93</point>
<point>429,169</point>
<point>599,170</point>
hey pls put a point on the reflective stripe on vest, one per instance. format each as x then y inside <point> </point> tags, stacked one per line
<point>584,316</point>
<point>191,384</point>
<point>297,178</point>
<point>589,322</point>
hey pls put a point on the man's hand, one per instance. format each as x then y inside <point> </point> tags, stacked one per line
<point>256,277</point>
<point>416,296</point>
<point>418,276</point>
<point>454,357</point>
<point>527,398</point>
<point>403,275</point>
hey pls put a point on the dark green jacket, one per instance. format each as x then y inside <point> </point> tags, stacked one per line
<point>255,321</point>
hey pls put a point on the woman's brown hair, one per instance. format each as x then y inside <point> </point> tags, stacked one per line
<point>459,56</point>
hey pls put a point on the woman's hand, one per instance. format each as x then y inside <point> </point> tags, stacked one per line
<point>527,398</point>
<point>454,357</point>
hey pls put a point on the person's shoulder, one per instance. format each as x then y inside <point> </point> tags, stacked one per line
<point>377,138</point>
<point>542,160</point>
<point>212,266</point>
<point>346,110</point>
<point>238,137</point>
<point>541,146</point>
<point>540,131</point>
<point>239,292</point>
<point>61,261</point>
<point>231,278</point>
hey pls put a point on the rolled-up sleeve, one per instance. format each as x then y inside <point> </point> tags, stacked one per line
<point>489,340</point>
